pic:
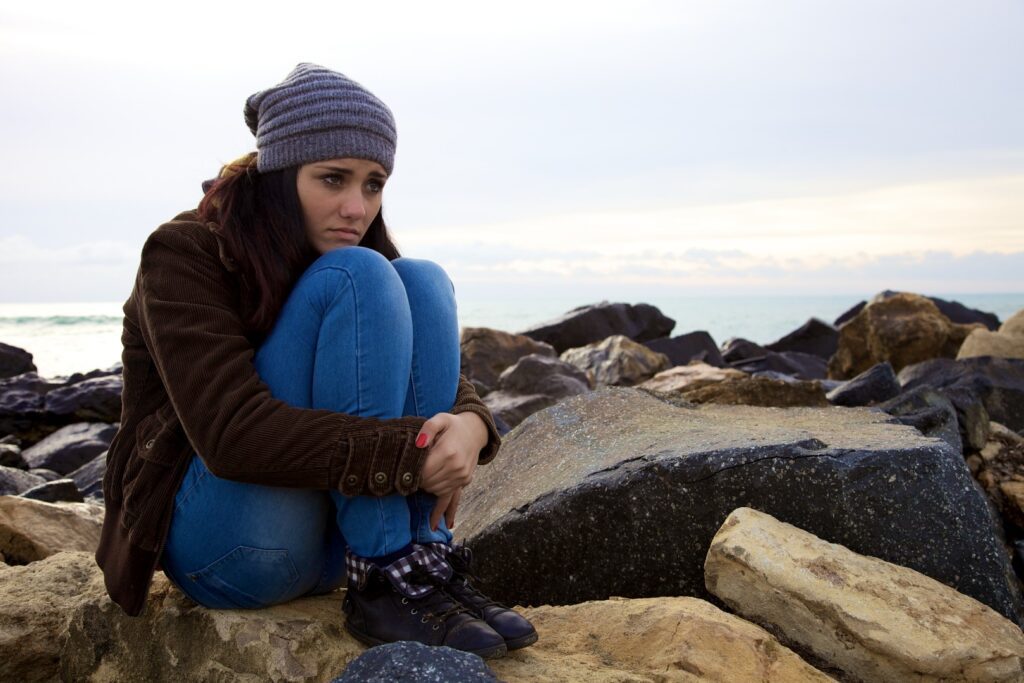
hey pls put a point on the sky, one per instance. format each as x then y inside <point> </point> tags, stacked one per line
<point>691,147</point>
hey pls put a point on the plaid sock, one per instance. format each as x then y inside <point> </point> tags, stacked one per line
<point>428,557</point>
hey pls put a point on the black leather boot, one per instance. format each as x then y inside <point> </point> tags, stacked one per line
<point>378,613</point>
<point>512,626</point>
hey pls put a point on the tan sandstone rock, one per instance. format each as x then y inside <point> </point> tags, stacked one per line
<point>650,639</point>
<point>1008,342</point>
<point>871,619</point>
<point>617,361</point>
<point>56,622</point>
<point>759,391</point>
<point>688,377</point>
<point>31,530</point>
<point>903,329</point>
<point>999,468</point>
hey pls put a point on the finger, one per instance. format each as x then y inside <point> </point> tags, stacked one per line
<point>449,514</point>
<point>439,508</point>
<point>431,429</point>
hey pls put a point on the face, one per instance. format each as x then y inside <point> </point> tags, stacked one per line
<point>339,198</point>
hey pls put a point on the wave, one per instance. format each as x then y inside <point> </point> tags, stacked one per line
<point>61,320</point>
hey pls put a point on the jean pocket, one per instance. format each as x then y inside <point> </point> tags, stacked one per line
<point>248,578</point>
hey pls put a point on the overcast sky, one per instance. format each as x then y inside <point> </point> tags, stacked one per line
<point>732,146</point>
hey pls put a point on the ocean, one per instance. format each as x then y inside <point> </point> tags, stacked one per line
<point>77,337</point>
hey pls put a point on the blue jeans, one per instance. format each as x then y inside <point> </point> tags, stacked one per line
<point>357,335</point>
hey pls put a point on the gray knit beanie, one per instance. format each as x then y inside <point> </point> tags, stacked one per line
<point>316,114</point>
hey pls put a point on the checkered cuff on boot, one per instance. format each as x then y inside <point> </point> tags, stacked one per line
<point>427,557</point>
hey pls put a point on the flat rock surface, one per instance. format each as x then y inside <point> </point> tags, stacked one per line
<point>56,622</point>
<point>618,493</point>
<point>874,620</point>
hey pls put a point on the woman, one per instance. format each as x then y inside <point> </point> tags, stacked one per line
<point>293,415</point>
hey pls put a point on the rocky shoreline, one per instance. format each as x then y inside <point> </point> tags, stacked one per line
<point>846,503</point>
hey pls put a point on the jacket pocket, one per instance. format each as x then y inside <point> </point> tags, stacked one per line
<point>158,439</point>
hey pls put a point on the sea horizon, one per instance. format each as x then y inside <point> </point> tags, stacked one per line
<point>69,337</point>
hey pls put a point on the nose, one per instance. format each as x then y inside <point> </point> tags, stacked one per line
<point>352,206</point>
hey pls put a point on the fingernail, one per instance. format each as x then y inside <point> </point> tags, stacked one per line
<point>421,441</point>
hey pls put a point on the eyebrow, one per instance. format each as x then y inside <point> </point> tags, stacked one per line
<point>342,169</point>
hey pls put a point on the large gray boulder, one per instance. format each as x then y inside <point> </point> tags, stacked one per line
<point>618,493</point>
<point>70,447</point>
<point>587,324</point>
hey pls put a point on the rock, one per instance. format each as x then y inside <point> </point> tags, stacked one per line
<point>512,409</point>
<point>416,663</point>
<point>758,391</point>
<point>737,349</point>
<point>534,383</point>
<point>849,314</point>
<point>877,383</point>
<point>70,447</point>
<point>47,475</point>
<point>682,378</point>
<point>1014,325</point>
<point>997,382</point>
<point>14,361</point>
<point>542,374</point>
<point>56,622</point>
<point>971,416</point>
<point>31,530</point>
<point>617,493</point>
<point>55,492</point>
<point>22,400</point>
<point>687,348</point>
<point>617,361</point>
<point>815,337</point>
<point>10,440</point>
<point>799,365</point>
<point>486,353</point>
<point>92,400</point>
<point>77,377</point>
<point>588,324</point>
<point>903,329</point>
<point>958,313</point>
<point>10,456</point>
<point>13,481</point>
<point>654,639</point>
<point>999,468</point>
<point>89,477</point>
<point>929,412</point>
<point>874,620</point>
<point>1008,342</point>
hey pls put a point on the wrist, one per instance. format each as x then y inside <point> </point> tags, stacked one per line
<point>477,427</point>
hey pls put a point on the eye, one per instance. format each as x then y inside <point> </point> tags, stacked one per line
<point>375,186</point>
<point>332,180</point>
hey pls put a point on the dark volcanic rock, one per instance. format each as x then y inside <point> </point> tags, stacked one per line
<point>70,447</point>
<point>738,349</point>
<point>10,456</point>
<point>14,481</point>
<point>89,477</point>
<point>850,313</point>
<point>22,403</point>
<point>486,353</point>
<point>593,323</point>
<point>793,363</point>
<point>47,475</point>
<point>878,383</point>
<point>617,493</point>
<point>92,374</point>
<point>59,490</point>
<point>689,347</point>
<point>534,383</point>
<point>97,399</point>
<point>954,310</point>
<point>814,337</point>
<point>14,361</point>
<point>929,412</point>
<point>416,663</point>
<point>998,382</point>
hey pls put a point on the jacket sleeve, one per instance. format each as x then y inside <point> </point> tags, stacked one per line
<point>189,321</point>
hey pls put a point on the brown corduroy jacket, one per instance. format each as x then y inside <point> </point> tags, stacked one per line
<point>190,386</point>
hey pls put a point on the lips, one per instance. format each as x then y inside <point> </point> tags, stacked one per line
<point>343,232</point>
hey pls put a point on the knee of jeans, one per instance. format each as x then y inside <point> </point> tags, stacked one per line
<point>418,272</point>
<point>357,258</point>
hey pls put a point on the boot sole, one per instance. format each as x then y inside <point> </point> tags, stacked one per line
<point>487,653</point>
<point>521,641</point>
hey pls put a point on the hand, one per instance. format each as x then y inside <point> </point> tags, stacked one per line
<point>446,505</point>
<point>454,443</point>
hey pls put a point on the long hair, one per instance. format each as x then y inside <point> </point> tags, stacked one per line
<point>260,218</point>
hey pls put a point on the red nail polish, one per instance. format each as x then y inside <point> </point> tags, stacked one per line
<point>421,441</point>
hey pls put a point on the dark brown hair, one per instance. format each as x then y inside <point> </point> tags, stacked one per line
<point>260,219</point>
